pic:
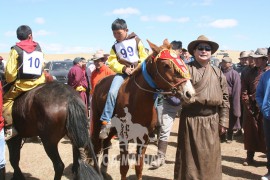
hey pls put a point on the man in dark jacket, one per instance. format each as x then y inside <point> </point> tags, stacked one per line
<point>234,89</point>
<point>77,79</point>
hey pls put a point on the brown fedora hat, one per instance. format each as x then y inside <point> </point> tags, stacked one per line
<point>260,52</point>
<point>227,59</point>
<point>244,54</point>
<point>202,39</point>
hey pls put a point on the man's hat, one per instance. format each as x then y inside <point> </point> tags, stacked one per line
<point>260,52</point>
<point>202,39</point>
<point>184,50</point>
<point>227,59</point>
<point>244,54</point>
<point>98,55</point>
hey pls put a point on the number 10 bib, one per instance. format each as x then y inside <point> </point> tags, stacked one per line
<point>32,62</point>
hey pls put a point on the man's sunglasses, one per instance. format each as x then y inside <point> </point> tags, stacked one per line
<point>206,48</point>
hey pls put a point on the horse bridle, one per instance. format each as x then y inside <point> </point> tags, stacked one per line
<point>173,87</point>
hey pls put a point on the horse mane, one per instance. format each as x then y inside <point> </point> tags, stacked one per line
<point>156,50</point>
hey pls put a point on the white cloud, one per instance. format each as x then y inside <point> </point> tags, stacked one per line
<point>202,3</point>
<point>170,2</point>
<point>163,18</point>
<point>42,33</point>
<point>10,33</point>
<point>206,2</point>
<point>126,11</point>
<point>224,23</point>
<point>39,20</point>
<point>182,19</point>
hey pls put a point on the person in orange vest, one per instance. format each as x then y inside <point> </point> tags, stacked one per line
<point>101,69</point>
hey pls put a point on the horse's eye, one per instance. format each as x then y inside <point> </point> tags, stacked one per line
<point>167,66</point>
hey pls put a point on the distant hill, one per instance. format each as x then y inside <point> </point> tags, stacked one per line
<point>48,57</point>
<point>232,54</point>
<point>52,57</point>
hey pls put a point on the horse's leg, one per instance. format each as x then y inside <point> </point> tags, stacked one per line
<point>141,148</point>
<point>52,151</point>
<point>14,147</point>
<point>124,165</point>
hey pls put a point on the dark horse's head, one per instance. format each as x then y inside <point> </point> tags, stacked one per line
<point>169,72</point>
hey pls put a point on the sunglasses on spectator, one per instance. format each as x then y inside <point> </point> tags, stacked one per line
<point>206,48</point>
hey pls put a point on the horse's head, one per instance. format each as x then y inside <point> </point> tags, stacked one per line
<point>170,72</point>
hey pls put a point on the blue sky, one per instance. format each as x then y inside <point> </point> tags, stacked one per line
<point>84,26</point>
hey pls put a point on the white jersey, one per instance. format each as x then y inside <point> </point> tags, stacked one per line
<point>32,62</point>
<point>127,50</point>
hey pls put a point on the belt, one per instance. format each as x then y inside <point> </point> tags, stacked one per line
<point>200,110</point>
<point>80,89</point>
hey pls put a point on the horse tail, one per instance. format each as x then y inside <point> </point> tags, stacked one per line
<point>77,128</point>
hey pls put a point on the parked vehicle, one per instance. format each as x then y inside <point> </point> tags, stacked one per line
<point>59,69</point>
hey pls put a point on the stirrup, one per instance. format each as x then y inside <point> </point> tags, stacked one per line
<point>10,132</point>
<point>105,130</point>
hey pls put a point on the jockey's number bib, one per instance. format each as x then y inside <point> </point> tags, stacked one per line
<point>127,50</point>
<point>32,62</point>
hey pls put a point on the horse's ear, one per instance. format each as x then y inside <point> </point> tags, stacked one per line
<point>166,43</point>
<point>154,47</point>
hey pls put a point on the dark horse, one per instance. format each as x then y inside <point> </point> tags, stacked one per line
<point>135,114</point>
<point>52,111</point>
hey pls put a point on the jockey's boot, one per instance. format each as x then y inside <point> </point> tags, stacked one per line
<point>3,173</point>
<point>162,147</point>
<point>10,132</point>
<point>229,136</point>
<point>105,129</point>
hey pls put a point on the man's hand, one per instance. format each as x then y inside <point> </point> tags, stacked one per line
<point>245,97</point>
<point>222,130</point>
<point>129,70</point>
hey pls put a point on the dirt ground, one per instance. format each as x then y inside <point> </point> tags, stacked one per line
<point>36,165</point>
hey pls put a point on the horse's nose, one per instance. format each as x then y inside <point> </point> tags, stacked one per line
<point>188,95</point>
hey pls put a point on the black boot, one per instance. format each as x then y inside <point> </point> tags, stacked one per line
<point>223,137</point>
<point>162,148</point>
<point>229,136</point>
<point>3,174</point>
<point>250,158</point>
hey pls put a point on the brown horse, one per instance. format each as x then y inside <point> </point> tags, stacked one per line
<point>52,111</point>
<point>135,114</point>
